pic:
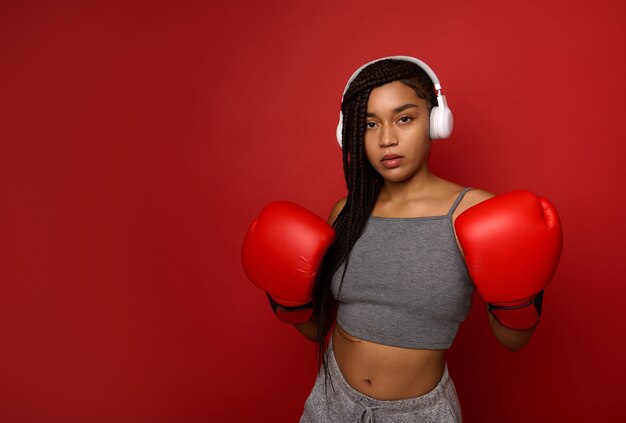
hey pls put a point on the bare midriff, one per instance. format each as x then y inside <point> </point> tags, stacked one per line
<point>386,372</point>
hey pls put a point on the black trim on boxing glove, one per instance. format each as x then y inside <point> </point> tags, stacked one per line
<point>537,302</point>
<point>292,315</point>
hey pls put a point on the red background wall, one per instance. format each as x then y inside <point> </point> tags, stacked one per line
<point>139,139</point>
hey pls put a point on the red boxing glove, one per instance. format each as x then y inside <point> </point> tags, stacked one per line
<point>512,245</point>
<point>281,254</point>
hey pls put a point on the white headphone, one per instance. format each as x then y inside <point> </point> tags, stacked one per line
<point>441,121</point>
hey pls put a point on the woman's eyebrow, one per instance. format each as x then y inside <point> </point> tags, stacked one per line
<point>397,109</point>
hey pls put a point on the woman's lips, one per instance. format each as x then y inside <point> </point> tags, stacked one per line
<point>391,160</point>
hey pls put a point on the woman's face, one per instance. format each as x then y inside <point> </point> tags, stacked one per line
<point>397,138</point>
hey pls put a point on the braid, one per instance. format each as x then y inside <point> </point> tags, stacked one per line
<point>362,181</point>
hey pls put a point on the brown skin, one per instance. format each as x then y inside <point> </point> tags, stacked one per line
<point>398,123</point>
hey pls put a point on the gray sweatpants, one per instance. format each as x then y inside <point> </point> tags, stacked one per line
<point>345,404</point>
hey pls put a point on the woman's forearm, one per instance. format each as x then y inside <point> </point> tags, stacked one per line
<point>514,340</point>
<point>308,329</point>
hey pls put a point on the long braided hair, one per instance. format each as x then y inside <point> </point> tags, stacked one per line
<point>363,182</point>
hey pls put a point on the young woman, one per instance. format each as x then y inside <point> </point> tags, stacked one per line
<point>394,277</point>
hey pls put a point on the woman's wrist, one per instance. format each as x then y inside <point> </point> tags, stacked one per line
<point>292,315</point>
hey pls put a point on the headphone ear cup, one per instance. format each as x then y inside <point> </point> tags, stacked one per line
<point>441,123</point>
<point>340,129</point>
<point>433,123</point>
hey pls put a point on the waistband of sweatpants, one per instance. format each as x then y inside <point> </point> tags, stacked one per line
<point>425,400</point>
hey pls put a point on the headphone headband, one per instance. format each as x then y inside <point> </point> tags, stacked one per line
<point>441,121</point>
<point>431,74</point>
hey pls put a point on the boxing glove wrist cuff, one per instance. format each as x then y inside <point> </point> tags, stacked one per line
<point>518,317</point>
<point>292,315</point>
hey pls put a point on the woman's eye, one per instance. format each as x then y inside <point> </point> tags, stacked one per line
<point>370,125</point>
<point>406,119</point>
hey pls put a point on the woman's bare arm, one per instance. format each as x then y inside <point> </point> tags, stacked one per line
<point>514,340</point>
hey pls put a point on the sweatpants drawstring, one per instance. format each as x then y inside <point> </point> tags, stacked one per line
<point>367,416</point>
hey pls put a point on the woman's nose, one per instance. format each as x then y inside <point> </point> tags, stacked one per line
<point>388,137</point>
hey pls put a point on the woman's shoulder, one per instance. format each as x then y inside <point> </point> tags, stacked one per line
<point>334,212</point>
<point>472,197</point>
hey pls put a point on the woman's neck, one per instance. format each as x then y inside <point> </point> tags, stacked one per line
<point>420,185</point>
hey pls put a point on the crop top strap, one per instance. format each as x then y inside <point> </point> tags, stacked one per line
<point>458,200</point>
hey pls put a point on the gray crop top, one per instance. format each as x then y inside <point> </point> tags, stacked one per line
<point>407,284</point>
